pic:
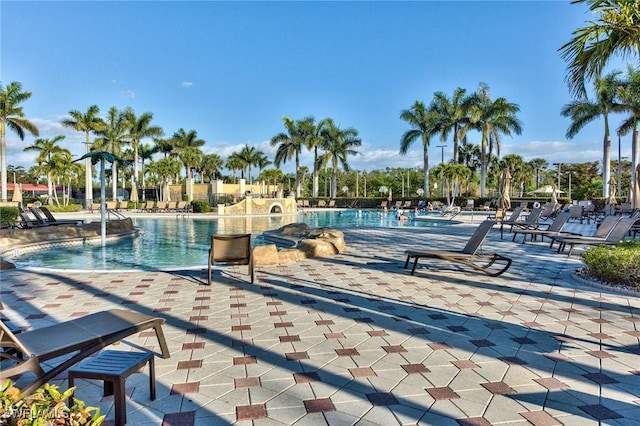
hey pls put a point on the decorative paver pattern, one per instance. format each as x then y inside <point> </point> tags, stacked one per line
<point>356,339</point>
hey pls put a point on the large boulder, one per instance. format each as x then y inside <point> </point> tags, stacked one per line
<point>320,242</point>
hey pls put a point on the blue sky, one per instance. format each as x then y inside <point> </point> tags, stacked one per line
<point>231,70</point>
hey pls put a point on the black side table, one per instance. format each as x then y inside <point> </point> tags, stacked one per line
<point>113,367</point>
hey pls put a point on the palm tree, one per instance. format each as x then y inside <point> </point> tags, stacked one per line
<point>111,138</point>
<point>46,149</point>
<point>491,119</point>
<point>12,116</point>
<point>423,123</point>
<point>187,146</point>
<point>615,31</point>
<point>234,163</point>
<point>249,156</point>
<point>538,164</point>
<point>210,165</point>
<point>452,175</point>
<point>629,96</point>
<point>140,128</point>
<point>164,146</point>
<point>145,152</point>
<point>583,111</point>
<point>338,144</point>
<point>453,114</point>
<point>290,145</point>
<point>88,122</point>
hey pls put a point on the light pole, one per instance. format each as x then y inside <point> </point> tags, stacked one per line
<point>619,189</point>
<point>559,167</point>
<point>570,173</point>
<point>442,161</point>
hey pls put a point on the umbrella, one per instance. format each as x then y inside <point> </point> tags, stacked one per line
<point>17,193</point>
<point>612,192</point>
<point>504,190</point>
<point>554,195</point>
<point>134,193</point>
<point>102,156</point>
<point>547,190</point>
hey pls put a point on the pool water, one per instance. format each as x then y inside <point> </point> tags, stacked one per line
<point>183,242</point>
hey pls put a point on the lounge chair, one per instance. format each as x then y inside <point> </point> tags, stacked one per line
<point>26,222</point>
<point>617,234</point>
<point>530,222</point>
<point>322,203</point>
<point>383,204</point>
<point>332,204</point>
<point>232,249</point>
<point>515,215</point>
<point>50,219</point>
<point>486,206</point>
<point>602,230</point>
<point>553,229</point>
<point>576,212</point>
<point>468,256</point>
<point>407,204</point>
<point>79,338</point>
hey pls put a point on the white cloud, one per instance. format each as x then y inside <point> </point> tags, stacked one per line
<point>187,84</point>
<point>128,94</point>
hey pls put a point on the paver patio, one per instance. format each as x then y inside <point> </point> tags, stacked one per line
<point>355,339</point>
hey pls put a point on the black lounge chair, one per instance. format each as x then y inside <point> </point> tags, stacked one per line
<point>554,229</point>
<point>468,256</point>
<point>617,234</point>
<point>79,337</point>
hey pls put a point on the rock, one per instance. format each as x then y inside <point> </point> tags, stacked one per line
<point>320,242</point>
<point>4,265</point>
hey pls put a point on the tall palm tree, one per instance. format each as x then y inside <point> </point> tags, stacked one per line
<point>12,116</point>
<point>628,94</point>
<point>453,114</point>
<point>583,111</point>
<point>615,31</point>
<point>187,146</point>
<point>424,126</point>
<point>290,144</point>
<point>140,128</point>
<point>234,163</point>
<point>210,165</point>
<point>491,118</point>
<point>46,149</point>
<point>145,152</point>
<point>538,165</point>
<point>248,155</point>
<point>89,122</point>
<point>338,144</point>
<point>111,138</point>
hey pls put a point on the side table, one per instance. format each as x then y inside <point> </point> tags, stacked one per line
<point>113,367</point>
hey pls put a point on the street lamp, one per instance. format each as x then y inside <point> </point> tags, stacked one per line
<point>619,189</point>
<point>559,167</point>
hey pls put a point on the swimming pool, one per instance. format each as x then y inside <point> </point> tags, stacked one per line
<point>182,243</point>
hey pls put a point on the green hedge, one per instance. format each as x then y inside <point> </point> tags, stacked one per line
<point>8,216</point>
<point>201,206</point>
<point>619,265</point>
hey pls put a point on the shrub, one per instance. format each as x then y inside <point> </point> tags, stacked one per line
<point>8,216</point>
<point>45,407</point>
<point>619,265</point>
<point>201,206</point>
<point>66,209</point>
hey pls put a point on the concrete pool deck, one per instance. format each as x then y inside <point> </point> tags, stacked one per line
<point>355,339</point>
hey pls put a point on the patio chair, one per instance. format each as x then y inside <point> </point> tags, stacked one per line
<point>79,338</point>
<point>50,218</point>
<point>553,229</point>
<point>486,206</point>
<point>468,256</point>
<point>332,204</point>
<point>602,230</point>
<point>26,222</point>
<point>383,204</point>
<point>407,204</point>
<point>232,249</point>
<point>530,222</point>
<point>617,234</point>
<point>322,203</point>
<point>576,212</point>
